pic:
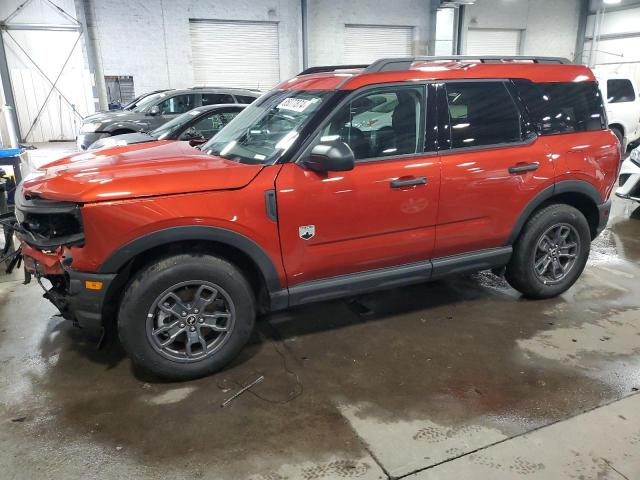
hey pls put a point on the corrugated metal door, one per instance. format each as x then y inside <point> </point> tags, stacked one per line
<point>367,43</point>
<point>485,41</point>
<point>235,54</point>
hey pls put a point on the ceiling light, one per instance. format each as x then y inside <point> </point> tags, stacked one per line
<point>611,2</point>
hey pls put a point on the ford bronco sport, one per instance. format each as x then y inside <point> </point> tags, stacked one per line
<point>337,182</point>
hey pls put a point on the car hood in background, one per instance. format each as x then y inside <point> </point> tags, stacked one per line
<point>121,140</point>
<point>104,119</point>
<point>158,168</point>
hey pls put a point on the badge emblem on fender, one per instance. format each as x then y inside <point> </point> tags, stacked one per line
<point>307,232</point>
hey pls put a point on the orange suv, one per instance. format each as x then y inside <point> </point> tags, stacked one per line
<point>339,181</point>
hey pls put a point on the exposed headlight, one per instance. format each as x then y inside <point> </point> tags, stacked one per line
<point>635,156</point>
<point>89,127</point>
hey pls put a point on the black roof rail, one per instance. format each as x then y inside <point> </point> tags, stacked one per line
<point>330,68</point>
<point>403,63</point>
<point>203,87</point>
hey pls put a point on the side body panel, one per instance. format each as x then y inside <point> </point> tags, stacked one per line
<point>359,222</point>
<point>480,200</point>
<point>592,157</point>
<point>111,225</point>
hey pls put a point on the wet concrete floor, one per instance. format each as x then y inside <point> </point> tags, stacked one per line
<point>413,381</point>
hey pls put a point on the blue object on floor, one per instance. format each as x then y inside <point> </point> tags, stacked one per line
<point>10,152</point>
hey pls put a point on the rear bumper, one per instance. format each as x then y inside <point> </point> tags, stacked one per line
<point>604,211</point>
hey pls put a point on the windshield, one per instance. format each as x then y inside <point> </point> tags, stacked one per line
<point>147,102</point>
<point>264,130</point>
<point>166,128</point>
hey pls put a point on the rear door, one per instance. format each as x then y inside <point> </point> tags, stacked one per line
<point>492,165</point>
<point>380,214</point>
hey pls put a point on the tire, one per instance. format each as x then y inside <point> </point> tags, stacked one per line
<point>531,249</point>
<point>157,298</point>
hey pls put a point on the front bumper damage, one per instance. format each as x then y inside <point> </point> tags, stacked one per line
<point>79,296</point>
<point>47,230</point>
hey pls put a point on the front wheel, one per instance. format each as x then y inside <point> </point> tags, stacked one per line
<point>186,316</point>
<point>551,252</point>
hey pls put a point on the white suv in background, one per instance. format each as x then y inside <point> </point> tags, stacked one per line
<point>630,177</point>
<point>623,107</point>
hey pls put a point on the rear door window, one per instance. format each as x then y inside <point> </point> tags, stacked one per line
<point>177,104</point>
<point>216,98</point>
<point>481,113</point>
<point>245,99</point>
<point>620,91</point>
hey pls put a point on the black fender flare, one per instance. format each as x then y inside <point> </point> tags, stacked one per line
<point>166,236</point>
<point>566,186</point>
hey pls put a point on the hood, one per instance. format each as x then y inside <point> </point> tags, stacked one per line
<point>147,169</point>
<point>104,119</point>
<point>120,140</point>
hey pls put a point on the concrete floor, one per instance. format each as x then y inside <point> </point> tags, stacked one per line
<point>457,379</point>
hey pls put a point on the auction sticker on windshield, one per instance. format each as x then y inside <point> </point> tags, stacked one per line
<point>295,104</point>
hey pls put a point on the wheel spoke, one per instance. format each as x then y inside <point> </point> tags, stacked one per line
<point>166,328</point>
<point>171,339</point>
<point>192,337</point>
<point>202,340</point>
<point>201,300</point>
<point>211,321</point>
<point>176,309</point>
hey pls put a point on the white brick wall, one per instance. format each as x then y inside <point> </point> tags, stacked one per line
<point>132,36</point>
<point>550,26</point>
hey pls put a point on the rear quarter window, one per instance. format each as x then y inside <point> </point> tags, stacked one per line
<point>561,107</point>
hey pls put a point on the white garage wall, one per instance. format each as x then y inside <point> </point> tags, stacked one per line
<point>150,40</point>
<point>327,21</point>
<point>57,120</point>
<point>549,27</point>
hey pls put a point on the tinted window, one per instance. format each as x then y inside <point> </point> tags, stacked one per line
<point>620,90</point>
<point>481,113</point>
<point>245,99</point>
<point>177,104</point>
<point>208,126</point>
<point>383,123</point>
<point>215,98</point>
<point>563,107</point>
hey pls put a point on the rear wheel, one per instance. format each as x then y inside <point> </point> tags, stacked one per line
<point>551,252</point>
<point>186,316</point>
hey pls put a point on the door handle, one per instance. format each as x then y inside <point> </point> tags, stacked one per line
<point>523,167</point>
<point>408,182</point>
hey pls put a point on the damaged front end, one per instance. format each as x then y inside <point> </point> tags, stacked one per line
<point>47,229</point>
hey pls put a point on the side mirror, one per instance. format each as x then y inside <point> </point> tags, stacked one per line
<point>194,142</point>
<point>155,110</point>
<point>331,157</point>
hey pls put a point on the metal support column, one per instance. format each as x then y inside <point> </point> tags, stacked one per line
<point>305,35</point>
<point>6,86</point>
<point>86,19</point>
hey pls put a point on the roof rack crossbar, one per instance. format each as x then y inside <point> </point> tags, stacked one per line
<point>330,68</point>
<point>403,63</point>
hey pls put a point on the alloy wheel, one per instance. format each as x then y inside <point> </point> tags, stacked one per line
<point>190,321</point>
<point>556,253</point>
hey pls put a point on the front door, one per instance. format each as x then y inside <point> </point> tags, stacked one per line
<point>380,214</point>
